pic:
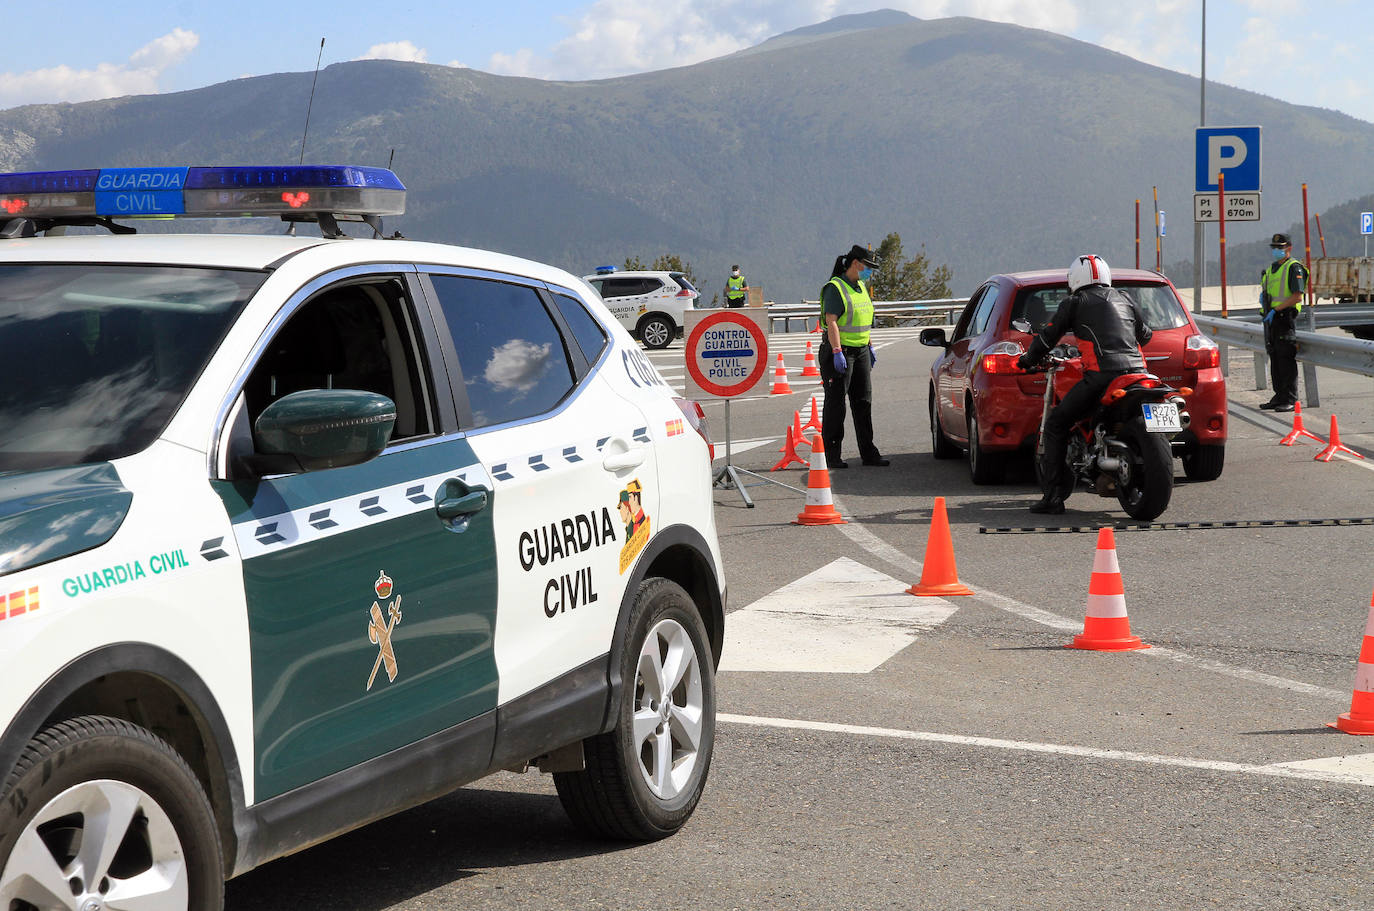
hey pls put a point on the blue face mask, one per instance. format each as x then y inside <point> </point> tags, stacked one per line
<point>866,275</point>
<point>1278,253</point>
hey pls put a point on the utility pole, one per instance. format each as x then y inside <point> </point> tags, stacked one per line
<point>1200,254</point>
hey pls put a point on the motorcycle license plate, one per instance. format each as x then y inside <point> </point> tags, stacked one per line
<point>1161,417</point>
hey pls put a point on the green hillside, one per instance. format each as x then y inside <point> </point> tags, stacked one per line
<point>997,147</point>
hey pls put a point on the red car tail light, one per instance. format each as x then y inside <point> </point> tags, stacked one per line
<point>1200,352</point>
<point>1000,359</point>
<point>696,417</point>
<point>686,292</point>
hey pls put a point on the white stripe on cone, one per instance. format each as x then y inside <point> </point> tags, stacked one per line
<point>1104,561</point>
<point>1103,606</point>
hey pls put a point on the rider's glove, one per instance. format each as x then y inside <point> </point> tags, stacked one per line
<point>872,357</point>
<point>1024,362</point>
<point>1269,317</point>
<point>841,365</point>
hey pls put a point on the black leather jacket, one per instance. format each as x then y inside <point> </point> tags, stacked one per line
<point>1108,326</point>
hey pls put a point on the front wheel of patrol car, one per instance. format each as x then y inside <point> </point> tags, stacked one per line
<point>656,331</point>
<point>644,778</point>
<point>100,813</point>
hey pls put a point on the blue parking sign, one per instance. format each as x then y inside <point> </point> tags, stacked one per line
<point>1367,222</point>
<point>1234,151</point>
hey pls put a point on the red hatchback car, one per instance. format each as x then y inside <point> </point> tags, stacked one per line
<point>981,402</point>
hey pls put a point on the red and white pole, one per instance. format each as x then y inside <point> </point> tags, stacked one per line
<point>1221,229</point>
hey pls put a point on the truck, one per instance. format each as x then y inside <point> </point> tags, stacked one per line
<point>1346,280</point>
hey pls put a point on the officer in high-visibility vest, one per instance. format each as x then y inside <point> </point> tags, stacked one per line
<point>736,288</point>
<point>1282,286</point>
<point>846,356</point>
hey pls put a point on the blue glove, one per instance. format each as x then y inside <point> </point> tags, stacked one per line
<point>872,357</point>
<point>1269,317</point>
<point>841,365</point>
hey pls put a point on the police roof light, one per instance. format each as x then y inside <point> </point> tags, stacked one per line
<point>604,270</point>
<point>296,192</point>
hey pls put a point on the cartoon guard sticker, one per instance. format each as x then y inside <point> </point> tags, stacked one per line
<point>636,523</point>
<point>379,630</point>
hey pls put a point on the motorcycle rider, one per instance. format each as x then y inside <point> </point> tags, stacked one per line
<point>1110,330</point>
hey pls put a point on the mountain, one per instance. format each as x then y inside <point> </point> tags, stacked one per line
<point>996,147</point>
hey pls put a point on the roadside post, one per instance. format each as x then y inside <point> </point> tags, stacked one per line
<point>1309,369</point>
<point>726,355</point>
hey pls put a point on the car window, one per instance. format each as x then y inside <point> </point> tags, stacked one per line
<point>649,285</point>
<point>975,317</point>
<point>350,336</point>
<point>591,338</point>
<point>97,358</point>
<point>682,280</point>
<point>618,287</point>
<point>510,352</point>
<point>1157,304</point>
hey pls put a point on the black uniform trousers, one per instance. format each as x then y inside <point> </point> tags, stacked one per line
<point>855,384</point>
<point>1077,403</point>
<point>735,302</point>
<point>1281,344</point>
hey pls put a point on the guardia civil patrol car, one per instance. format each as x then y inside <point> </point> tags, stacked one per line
<point>298,532</point>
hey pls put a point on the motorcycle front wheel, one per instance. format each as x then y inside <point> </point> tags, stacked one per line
<point>1145,480</point>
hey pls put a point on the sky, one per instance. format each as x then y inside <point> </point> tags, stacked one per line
<point>1313,52</point>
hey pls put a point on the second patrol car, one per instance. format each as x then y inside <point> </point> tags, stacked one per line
<point>298,532</point>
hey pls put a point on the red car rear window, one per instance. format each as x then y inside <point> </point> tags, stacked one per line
<point>1157,304</point>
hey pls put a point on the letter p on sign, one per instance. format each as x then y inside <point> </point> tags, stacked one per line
<point>1232,150</point>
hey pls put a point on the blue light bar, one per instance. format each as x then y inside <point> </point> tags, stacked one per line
<point>300,192</point>
<point>604,270</point>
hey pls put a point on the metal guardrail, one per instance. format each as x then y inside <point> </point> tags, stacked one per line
<point>1314,350</point>
<point>1327,316</point>
<point>942,311</point>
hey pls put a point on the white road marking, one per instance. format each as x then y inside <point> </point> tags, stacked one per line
<point>1356,769</point>
<point>844,618</point>
<point>738,446</point>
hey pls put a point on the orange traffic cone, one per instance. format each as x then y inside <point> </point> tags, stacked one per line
<point>797,435</point>
<point>780,386</point>
<point>809,366</point>
<point>939,576</point>
<point>1360,718</point>
<point>820,506</point>
<point>1106,628</point>
<point>789,449</point>
<point>813,422</point>
<point>1298,430</point>
<point>1334,446</point>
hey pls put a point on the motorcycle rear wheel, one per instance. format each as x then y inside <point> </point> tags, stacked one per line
<point>1146,478</point>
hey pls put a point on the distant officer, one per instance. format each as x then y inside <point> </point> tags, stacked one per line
<point>736,288</point>
<point>846,357</point>
<point>1282,286</point>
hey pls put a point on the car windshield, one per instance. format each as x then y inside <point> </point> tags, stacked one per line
<point>98,357</point>
<point>1156,301</point>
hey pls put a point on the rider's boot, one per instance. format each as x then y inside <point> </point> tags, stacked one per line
<point>1049,504</point>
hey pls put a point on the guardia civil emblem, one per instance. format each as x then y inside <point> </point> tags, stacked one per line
<point>379,629</point>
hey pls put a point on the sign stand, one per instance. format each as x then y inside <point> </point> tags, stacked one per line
<point>726,353</point>
<point>728,476</point>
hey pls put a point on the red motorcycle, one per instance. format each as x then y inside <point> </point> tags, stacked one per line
<point>1124,448</point>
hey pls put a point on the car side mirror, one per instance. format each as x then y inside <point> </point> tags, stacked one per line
<point>325,428</point>
<point>935,338</point>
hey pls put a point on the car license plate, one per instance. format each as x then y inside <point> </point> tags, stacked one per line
<point>1161,417</point>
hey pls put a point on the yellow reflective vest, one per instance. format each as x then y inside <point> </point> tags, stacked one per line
<point>857,320</point>
<point>1274,282</point>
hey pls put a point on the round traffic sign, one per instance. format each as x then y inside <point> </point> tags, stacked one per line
<point>727,353</point>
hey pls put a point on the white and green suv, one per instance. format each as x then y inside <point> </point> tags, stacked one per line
<point>649,304</point>
<point>298,532</point>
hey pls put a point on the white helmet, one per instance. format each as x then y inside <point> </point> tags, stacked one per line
<point>1089,270</point>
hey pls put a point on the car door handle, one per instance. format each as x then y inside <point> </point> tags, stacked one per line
<point>621,456</point>
<point>456,500</point>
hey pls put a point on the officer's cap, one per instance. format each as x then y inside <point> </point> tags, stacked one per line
<point>863,255</point>
<point>1280,240</point>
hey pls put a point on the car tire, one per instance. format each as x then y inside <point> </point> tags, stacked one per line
<point>983,466</point>
<point>656,331</point>
<point>98,811</point>
<point>940,444</point>
<point>1204,463</point>
<point>645,776</point>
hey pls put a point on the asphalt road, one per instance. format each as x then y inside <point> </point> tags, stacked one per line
<point>982,764</point>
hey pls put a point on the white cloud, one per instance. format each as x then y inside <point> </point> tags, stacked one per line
<point>138,76</point>
<point>396,50</point>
